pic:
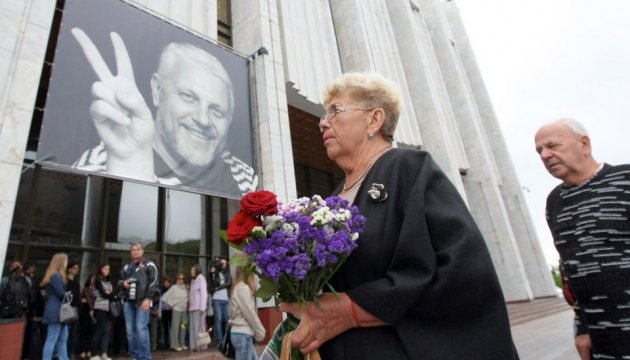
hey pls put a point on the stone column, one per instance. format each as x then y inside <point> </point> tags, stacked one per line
<point>196,15</point>
<point>366,42</point>
<point>311,57</point>
<point>428,92</point>
<point>25,30</point>
<point>482,181</point>
<point>533,258</point>
<point>255,31</point>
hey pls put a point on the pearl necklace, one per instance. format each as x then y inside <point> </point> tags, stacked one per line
<point>357,182</point>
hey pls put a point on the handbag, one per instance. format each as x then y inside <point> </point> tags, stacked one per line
<point>225,346</point>
<point>68,313</point>
<point>115,307</point>
<point>203,337</point>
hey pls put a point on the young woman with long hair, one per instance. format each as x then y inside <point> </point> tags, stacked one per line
<point>86,317</point>
<point>245,324</point>
<point>197,302</point>
<point>54,282</point>
<point>104,292</point>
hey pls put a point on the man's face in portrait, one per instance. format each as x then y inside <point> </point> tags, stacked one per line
<point>193,113</point>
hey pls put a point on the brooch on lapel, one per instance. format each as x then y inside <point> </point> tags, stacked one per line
<point>377,192</point>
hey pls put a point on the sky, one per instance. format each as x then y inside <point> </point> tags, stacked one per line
<point>546,59</point>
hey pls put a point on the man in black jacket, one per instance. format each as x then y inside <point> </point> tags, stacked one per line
<point>14,293</point>
<point>221,283</point>
<point>139,281</point>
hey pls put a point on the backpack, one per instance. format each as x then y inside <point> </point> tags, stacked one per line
<point>14,298</point>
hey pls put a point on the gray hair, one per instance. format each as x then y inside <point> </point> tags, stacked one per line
<point>372,91</point>
<point>175,52</point>
<point>575,126</point>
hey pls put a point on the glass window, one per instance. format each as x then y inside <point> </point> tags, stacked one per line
<point>95,205</point>
<point>224,22</point>
<point>183,231</point>
<point>131,214</point>
<point>87,261</point>
<point>22,206</point>
<point>176,264</point>
<point>14,252</point>
<point>58,208</point>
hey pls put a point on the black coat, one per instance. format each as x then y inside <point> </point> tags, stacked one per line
<point>422,267</point>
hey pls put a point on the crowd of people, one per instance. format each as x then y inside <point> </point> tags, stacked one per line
<point>154,316</point>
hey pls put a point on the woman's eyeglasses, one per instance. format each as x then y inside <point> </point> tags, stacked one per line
<point>335,109</point>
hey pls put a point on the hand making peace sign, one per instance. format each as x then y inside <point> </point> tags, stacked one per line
<point>120,113</point>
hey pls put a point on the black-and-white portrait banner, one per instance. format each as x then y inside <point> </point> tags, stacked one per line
<point>134,97</point>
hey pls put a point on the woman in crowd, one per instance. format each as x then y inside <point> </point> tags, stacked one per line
<point>54,282</point>
<point>73,285</point>
<point>245,324</point>
<point>197,301</point>
<point>177,298</point>
<point>86,318</point>
<point>104,292</point>
<point>421,284</point>
<point>167,315</point>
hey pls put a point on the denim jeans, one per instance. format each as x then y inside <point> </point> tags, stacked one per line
<point>244,346</point>
<point>137,326</point>
<point>56,342</point>
<point>221,312</point>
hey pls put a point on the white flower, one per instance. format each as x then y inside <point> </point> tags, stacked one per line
<point>355,236</point>
<point>271,222</point>
<point>290,227</point>
<point>342,215</point>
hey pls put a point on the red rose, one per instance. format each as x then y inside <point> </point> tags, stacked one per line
<point>240,227</point>
<point>258,203</point>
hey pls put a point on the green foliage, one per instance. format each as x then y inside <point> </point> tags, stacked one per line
<point>267,289</point>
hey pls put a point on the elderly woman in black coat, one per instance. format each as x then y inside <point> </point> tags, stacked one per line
<point>421,284</point>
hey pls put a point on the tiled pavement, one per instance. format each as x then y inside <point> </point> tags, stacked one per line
<point>544,338</point>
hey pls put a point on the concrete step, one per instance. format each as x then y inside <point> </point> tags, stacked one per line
<point>520,312</point>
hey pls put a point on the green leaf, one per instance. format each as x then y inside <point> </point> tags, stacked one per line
<point>223,235</point>
<point>239,259</point>
<point>267,289</point>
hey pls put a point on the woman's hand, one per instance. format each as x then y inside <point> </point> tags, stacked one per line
<point>320,324</point>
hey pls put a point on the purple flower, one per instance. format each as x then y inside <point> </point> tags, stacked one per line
<point>300,254</point>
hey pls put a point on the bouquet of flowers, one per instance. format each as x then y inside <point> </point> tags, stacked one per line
<point>294,248</point>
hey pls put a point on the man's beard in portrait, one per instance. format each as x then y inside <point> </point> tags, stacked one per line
<point>191,151</point>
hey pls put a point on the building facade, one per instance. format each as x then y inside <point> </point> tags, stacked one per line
<point>293,49</point>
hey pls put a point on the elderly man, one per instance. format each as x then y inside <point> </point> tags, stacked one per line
<point>186,144</point>
<point>589,217</point>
